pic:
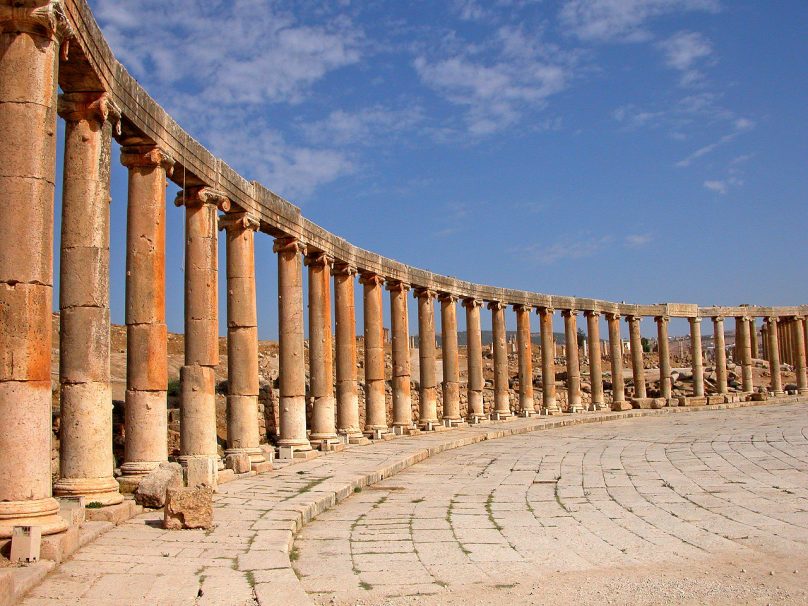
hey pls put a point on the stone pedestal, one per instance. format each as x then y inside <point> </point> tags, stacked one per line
<point>637,369</point>
<point>428,413</point>
<point>399,328</point>
<point>474,351</point>
<point>616,356</point>
<point>451,370</point>
<point>524,349</point>
<point>695,352</point>
<point>502,395</point>
<point>345,329</point>
<point>663,345</point>
<point>595,359</point>
<point>549,405</point>
<point>720,355</point>
<point>375,405</point>
<point>773,351</point>
<point>573,366</point>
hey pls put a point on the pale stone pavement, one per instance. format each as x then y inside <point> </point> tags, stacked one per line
<point>499,516</point>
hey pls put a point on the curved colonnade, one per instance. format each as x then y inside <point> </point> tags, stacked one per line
<point>44,43</point>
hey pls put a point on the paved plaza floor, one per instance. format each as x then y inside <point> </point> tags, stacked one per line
<point>708,507</point>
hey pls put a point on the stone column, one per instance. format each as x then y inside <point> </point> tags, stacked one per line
<point>753,337</point>
<point>764,340</point>
<point>695,352</point>
<point>347,400</point>
<point>474,351</point>
<point>525,350</point>
<point>549,405</point>
<point>616,355</point>
<point>30,37</point>
<point>400,331</point>
<point>197,376</point>
<point>774,356</point>
<point>428,408</point>
<point>375,406</point>
<point>799,354</point>
<point>720,355</point>
<point>573,367</point>
<point>665,386</point>
<point>85,461</point>
<point>451,370</point>
<point>637,367</point>
<point>146,334</point>
<point>292,372</point>
<point>321,356</point>
<point>743,328</point>
<point>595,360</point>
<point>502,396</point>
<point>243,435</point>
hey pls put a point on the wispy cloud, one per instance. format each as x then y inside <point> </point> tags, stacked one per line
<point>637,240</point>
<point>368,126</point>
<point>740,126</point>
<point>684,51</point>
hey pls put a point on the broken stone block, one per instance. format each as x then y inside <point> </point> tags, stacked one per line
<point>238,462</point>
<point>151,492</point>
<point>201,471</point>
<point>188,508</point>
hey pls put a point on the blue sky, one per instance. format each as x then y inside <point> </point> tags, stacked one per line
<point>631,150</point>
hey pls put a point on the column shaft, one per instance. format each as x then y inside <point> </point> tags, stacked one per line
<point>549,405</point>
<point>451,370</point>
<point>743,328</point>
<point>595,359</point>
<point>799,354</point>
<point>753,337</point>
<point>375,405</point>
<point>774,356</point>
<point>720,355</point>
<point>663,344</point>
<point>502,396</point>
<point>637,367</point>
<point>525,352</point>
<point>400,329</point>
<point>474,351</point>
<point>695,352</point>
<point>347,400</point>
<point>616,355</point>
<point>428,412</point>
<point>573,366</point>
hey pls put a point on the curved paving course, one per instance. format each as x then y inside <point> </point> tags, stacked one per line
<point>492,513</point>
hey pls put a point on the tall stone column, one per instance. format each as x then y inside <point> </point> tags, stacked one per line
<point>753,337</point>
<point>663,345</point>
<point>799,354</point>
<point>573,367</point>
<point>85,461</point>
<point>595,359</point>
<point>428,413</point>
<point>549,404</point>
<point>743,327</point>
<point>525,350</point>
<point>243,435</point>
<point>764,340</point>
<point>344,309</point>
<point>774,356</point>
<point>695,352</point>
<point>197,376</point>
<point>321,357</point>
<point>146,333</point>
<point>400,329</point>
<point>616,356</point>
<point>375,406</point>
<point>292,375</point>
<point>637,368</point>
<point>474,351</point>
<point>720,355</point>
<point>451,370</point>
<point>30,37</point>
<point>502,396</point>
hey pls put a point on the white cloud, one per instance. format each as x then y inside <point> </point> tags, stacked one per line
<point>573,247</point>
<point>367,126</point>
<point>740,125</point>
<point>720,187</point>
<point>683,52</point>
<point>637,240</point>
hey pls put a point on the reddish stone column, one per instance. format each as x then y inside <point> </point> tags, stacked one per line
<point>292,375</point>
<point>30,37</point>
<point>474,351</point>
<point>720,355</point>
<point>743,328</point>
<point>595,359</point>
<point>799,353</point>
<point>549,405</point>
<point>426,357</point>
<point>451,370</point>
<point>375,404</point>
<point>243,434</point>
<point>773,350</point>
<point>573,366</point>
<point>753,337</point>
<point>616,355</point>
<point>525,351</point>
<point>85,461</point>
<point>197,376</point>
<point>345,332</point>
<point>663,344</point>
<point>695,352</point>
<point>146,334</point>
<point>637,368</point>
<point>502,394</point>
<point>400,329</point>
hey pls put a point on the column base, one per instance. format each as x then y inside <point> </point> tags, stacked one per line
<point>575,408</point>
<point>595,406</point>
<point>802,392</point>
<point>620,405</point>
<point>256,454</point>
<point>551,410</point>
<point>296,443</point>
<point>501,415</point>
<point>94,490</point>
<point>40,512</point>
<point>427,424</point>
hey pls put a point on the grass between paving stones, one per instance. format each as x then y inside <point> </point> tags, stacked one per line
<point>488,502</point>
<point>250,576</point>
<point>365,586</point>
<point>311,484</point>
<point>454,534</point>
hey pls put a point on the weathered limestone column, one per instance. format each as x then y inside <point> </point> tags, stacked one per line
<point>525,351</point>
<point>321,357</point>
<point>573,367</point>
<point>197,377</point>
<point>474,351</point>
<point>502,396</point>
<point>774,356</point>
<point>753,337</point>
<point>743,328</point>
<point>720,355</point>
<point>428,408</point>
<point>30,37</point>
<point>549,405</point>
<point>85,461</point>
<point>243,435</point>
<point>146,334</point>
<point>663,344</point>
<point>451,370</point>
<point>616,355</point>
<point>764,340</point>
<point>375,406</point>
<point>292,372</point>
<point>344,310</point>
<point>400,331</point>
<point>595,360</point>
<point>637,368</point>
<point>695,352</point>
<point>799,354</point>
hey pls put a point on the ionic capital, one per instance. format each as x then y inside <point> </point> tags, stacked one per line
<point>612,316</point>
<point>632,318</point>
<point>718,318</point>
<point>568,313</point>
<point>591,313</point>
<point>202,196</point>
<point>341,268</point>
<point>545,311</point>
<point>318,258</point>
<point>288,245</point>
<point>368,278</point>
<point>696,320</point>
<point>521,307</point>
<point>90,107</point>
<point>146,155</point>
<point>771,320</point>
<point>421,292</point>
<point>662,319</point>
<point>471,303</point>
<point>447,297</point>
<point>496,305</point>
<point>45,18</point>
<point>239,222</point>
<point>397,286</point>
